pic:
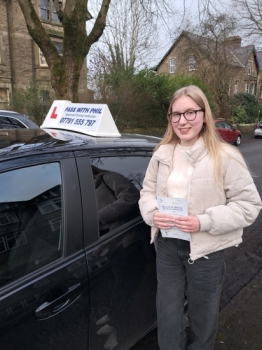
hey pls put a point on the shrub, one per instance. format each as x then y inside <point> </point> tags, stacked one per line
<point>239,115</point>
<point>247,101</point>
<point>139,100</point>
<point>33,101</point>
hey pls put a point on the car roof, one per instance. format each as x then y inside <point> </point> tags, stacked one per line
<point>221,120</point>
<point>23,118</point>
<point>23,142</point>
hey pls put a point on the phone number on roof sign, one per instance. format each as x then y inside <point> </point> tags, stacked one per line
<point>73,121</point>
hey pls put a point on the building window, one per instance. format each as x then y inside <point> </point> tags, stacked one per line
<point>59,47</point>
<point>172,65</point>
<point>8,218</point>
<point>192,63</point>
<point>42,60</point>
<point>44,7</point>
<point>55,18</point>
<point>45,94</point>
<point>235,87</point>
<point>249,67</point>
<point>252,88</point>
<point>48,11</point>
<point>247,88</point>
<point>4,98</point>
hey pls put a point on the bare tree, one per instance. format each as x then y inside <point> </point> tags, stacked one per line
<point>129,37</point>
<point>211,44</point>
<point>73,14</point>
<point>250,17</point>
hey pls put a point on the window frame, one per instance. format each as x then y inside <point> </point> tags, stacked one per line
<point>236,87</point>
<point>72,212</point>
<point>48,7</point>
<point>45,9</point>
<point>172,65</point>
<point>56,42</point>
<point>252,88</point>
<point>91,226</point>
<point>249,67</point>
<point>192,63</point>
<point>260,91</point>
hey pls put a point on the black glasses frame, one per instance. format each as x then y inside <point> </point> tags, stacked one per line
<point>197,110</point>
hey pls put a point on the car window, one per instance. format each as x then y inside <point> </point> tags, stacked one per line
<point>30,220</point>
<point>118,181</point>
<point>219,125</point>
<point>227,126</point>
<point>8,122</point>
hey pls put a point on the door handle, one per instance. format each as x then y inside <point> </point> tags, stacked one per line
<point>58,300</point>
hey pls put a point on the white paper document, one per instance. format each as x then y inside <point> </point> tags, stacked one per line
<point>175,207</point>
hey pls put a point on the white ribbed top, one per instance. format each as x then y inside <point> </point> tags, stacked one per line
<point>177,182</point>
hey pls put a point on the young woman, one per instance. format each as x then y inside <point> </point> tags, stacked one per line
<point>193,165</point>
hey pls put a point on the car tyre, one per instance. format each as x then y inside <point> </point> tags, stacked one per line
<point>238,141</point>
<point>256,136</point>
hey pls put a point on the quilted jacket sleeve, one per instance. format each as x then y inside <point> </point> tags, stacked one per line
<point>243,202</point>
<point>148,200</point>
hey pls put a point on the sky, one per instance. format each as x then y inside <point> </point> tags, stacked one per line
<point>188,8</point>
<point>174,24</point>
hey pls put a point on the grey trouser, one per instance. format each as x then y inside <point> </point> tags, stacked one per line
<point>202,281</point>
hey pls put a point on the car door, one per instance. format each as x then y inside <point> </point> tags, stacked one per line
<point>121,261</point>
<point>220,127</point>
<point>230,131</point>
<point>44,301</point>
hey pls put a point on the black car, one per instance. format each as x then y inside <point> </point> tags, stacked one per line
<point>13,120</point>
<point>77,270</point>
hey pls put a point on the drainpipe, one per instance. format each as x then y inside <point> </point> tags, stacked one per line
<point>7,7</point>
<point>33,59</point>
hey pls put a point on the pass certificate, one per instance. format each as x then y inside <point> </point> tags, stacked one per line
<point>175,207</point>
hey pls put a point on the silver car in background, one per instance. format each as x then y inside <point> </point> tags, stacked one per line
<point>258,130</point>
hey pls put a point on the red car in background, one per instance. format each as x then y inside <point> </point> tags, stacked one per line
<point>228,132</point>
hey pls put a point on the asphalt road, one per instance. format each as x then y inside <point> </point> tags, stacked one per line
<point>244,262</point>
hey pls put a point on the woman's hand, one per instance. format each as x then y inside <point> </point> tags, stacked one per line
<point>189,224</point>
<point>163,221</point>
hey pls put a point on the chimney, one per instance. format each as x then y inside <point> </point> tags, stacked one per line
<point>234,41</point>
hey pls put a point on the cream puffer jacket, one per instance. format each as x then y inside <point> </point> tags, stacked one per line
<point>222,212</point>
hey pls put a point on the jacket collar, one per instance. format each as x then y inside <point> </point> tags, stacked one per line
<point>198,151</point>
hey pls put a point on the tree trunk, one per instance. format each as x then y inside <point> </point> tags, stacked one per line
<point>65,70</point>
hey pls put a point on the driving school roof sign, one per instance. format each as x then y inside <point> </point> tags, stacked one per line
<point>90,119</point>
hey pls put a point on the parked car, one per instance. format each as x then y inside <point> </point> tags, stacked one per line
<point>74,275</point>
<point>228,132</point>
<point>258,130</point>
<point>14,120</point>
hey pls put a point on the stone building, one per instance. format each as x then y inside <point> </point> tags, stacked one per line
<point>224,66</point>
<point>20,58</point>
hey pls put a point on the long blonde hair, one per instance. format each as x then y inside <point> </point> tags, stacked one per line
<point>208,132</point>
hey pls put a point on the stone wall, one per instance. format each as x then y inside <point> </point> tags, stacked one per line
<point>246,128</point>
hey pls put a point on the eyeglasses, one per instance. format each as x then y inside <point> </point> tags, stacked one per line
<point>188,115</point>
